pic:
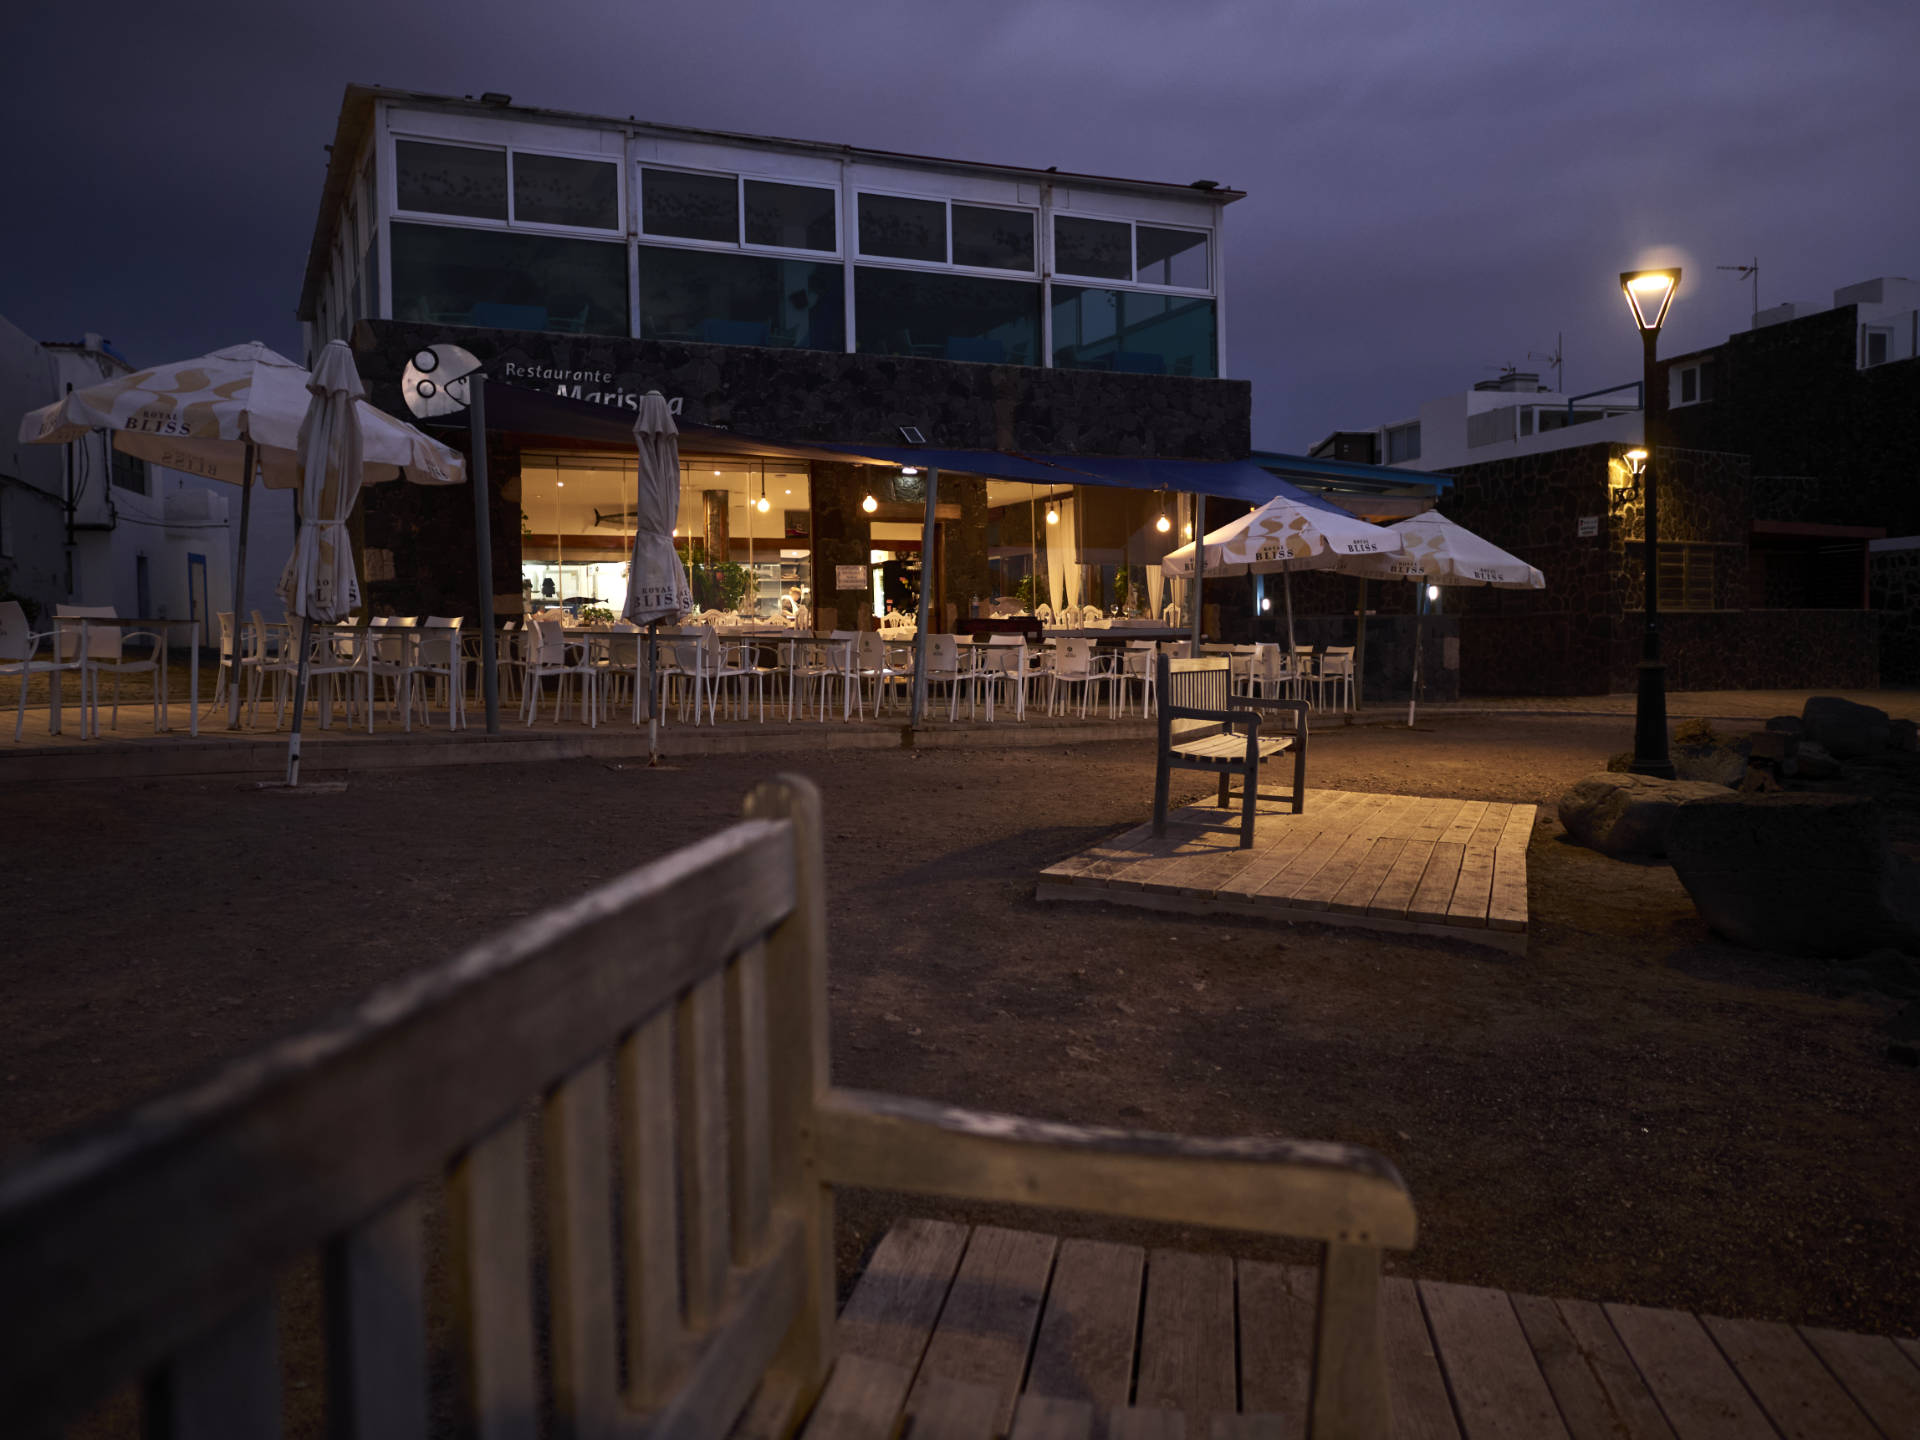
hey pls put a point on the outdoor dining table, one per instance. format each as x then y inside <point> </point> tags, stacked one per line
<point>160,623</point>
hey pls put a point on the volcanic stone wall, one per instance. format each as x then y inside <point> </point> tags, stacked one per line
<point>1893,579</point>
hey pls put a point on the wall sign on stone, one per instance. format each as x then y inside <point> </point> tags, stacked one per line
<point>1589,526</point>
<point>850,577</point>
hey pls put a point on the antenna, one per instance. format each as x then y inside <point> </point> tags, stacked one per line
<point>1748,272</point>
<point>1554,359</point>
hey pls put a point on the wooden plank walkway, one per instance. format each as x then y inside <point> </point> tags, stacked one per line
<point>998,1332</point>
<point>1389,862</point>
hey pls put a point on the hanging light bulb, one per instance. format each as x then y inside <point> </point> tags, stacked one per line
<point>1163,524</point>
<point>1189,530</point>
<point>763,505</point>
<point>1053,516</point>
<point>869,504</point>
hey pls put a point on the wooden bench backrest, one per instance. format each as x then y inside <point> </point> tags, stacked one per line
<point>1192,685</point>
<point>681,1009</point>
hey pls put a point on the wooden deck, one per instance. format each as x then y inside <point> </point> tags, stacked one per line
<point>985,1332</point>
<point>1390,862</point>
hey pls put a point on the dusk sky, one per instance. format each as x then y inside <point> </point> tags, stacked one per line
<point>1433,192</point>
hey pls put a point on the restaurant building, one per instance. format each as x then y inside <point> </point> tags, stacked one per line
<point>787,297</point>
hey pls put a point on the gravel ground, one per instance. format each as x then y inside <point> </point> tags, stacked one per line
<point>1633,1112</point>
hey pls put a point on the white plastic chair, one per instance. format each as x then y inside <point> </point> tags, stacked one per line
<point>105,654</point>
<point>547,656</point>
<point>20,655</point>
<point>1002,661</point>
<point>1336,674</point>
<point>436,656</point>
<point>1137,668</point>
<point>1074,664</point>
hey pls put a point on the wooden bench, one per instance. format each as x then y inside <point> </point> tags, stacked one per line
<point>653,1057</point>
<point>1197,732</point>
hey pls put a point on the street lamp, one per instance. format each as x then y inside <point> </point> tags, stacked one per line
<point>1649,295</point>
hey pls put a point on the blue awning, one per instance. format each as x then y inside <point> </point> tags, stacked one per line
<point>1224,479</point>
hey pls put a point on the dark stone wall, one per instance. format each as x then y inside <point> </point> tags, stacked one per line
<point>842,535</point>
<point>1759,650</point>
<point>830,395</point>
<point>1791,398</point>
<point>1893,578</point>
<point>415,542</point>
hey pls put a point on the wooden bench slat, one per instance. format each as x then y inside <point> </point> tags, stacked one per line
<point>1497,1386</point>
<point>1416,1390</point>
<point>1047,1417</point>
<point>579,1212</point>
<point>1881,1380</point>
<point>891,1314</point>
<point>491,1267</point>
<point>1803,1400</point>
<point>861,1401</point>
<point>948,1409</point>
<point>224,1384</point>
<point>701,1091</point>
<point>985,1331</point>
<point>749,1106</point>
<point>1147,1422</point>
<point>1698,1392</point>
<point>650,1208</point>
<point>1084,1350</point>
<point>1276,1309</point>
<point>376,1326</point>
<point>1601,1396</point>
<point>1187,1335</point>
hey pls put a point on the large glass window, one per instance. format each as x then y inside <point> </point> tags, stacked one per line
<point>947,316</point>
<point>1170,257</point>
<point>1102,248</point>
<point>902,228</point>
<point>1132,330</point>
<point>559,190</point>
<point>741,299</point>
<point>509,281</point>
<point>794,217</point>
<point>691,207</point>
<point>450,179</point>
<point>993,239</point>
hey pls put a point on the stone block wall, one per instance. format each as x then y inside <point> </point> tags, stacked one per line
<point>1893,579</point>
<point>414,543</point>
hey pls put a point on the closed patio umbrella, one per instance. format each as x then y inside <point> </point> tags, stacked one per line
<point>656,581</point>
<point>1438,551</point>
<point>1285,534</point>
<point>319,582</point>
<point>230,415</point>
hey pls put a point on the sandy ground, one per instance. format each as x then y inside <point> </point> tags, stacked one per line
<point>1634,1111</point>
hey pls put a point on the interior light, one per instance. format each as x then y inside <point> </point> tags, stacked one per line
<point>1266,602</point>
<point>909,469</point>
<point>1433,592</point>
<point>1163,524</point>
<point>1053,516</point>
<point>869,504</point>
<point>787,492</point>
<point>1189,530</point>
<point>763,505</point>
<point>716,473</point>
<point>561,483</point>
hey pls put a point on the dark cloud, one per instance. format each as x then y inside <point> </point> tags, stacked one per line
<point>1434,191</point>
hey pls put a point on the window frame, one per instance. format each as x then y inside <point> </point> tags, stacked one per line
<point>1036,272</point>
<point>740,245</point>
<point>1868,334</point>
<point>391,184</point>
<point>1133,223</point>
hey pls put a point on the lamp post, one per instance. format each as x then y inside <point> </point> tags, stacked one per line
<point>1649,294</point>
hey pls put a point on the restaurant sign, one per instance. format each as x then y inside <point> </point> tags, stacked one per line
<point>437,377</point>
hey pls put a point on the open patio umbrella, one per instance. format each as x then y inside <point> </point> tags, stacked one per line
<point>231,415</point>
<point>1438,551</point>
<point>1284,535</point>
<point>319,583</point>
<point>656,581</point>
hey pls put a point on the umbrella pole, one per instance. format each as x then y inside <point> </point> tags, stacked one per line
<point>1360,650</point>
<point>1286,586</point>
<point>1199,563</point>
<point>483,547</point>
<point>300,702</point>
<point>234,669</point>
<point>926,599</point>
<point>653,692</point>
<point>1419,615</point>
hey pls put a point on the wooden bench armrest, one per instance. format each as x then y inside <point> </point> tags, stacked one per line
<point>1248,718</point>
<point>1342,1194</point>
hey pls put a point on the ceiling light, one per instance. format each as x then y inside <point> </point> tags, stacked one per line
<point>787,492</point>
<point>763,505</point>
<point>870,504</point>
<point>909,469</point>
<point>561,483</point>
<point>1266,602</point>
<point>1433,592</point>
<point>1053,516</point>
<point>1163,524</point>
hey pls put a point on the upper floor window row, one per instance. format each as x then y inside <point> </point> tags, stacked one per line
<point>737,210</point>
<point>514,187</point>
<point>1125,250</point>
